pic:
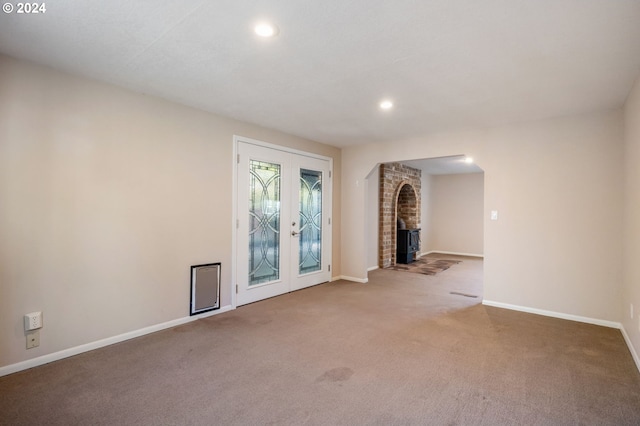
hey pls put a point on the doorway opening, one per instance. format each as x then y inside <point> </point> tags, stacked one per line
<point>449,210</point>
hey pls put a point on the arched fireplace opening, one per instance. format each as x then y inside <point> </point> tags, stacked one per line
<point>407,206</point>
<point>408,229</point>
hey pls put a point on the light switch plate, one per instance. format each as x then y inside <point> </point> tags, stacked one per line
<point>494,214</point>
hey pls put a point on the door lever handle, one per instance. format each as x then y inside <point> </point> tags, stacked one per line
<point>294,233</point>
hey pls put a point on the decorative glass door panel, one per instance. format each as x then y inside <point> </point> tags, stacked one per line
<point>311,206</point>
<point>310,217</point>
<point>264,222</point>
<point>283,236</point>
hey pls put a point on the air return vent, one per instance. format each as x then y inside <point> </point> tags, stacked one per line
<point>205,288</point>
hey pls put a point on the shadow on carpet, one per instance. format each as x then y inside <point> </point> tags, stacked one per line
<point>426,266</point>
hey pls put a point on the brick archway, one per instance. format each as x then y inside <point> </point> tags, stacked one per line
<point>399,197</point>
<point>406,206</point>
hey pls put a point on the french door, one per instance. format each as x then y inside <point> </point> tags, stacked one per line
<point>283,235</point>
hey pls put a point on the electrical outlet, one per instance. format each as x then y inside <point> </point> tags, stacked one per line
<point>33,339</point>
<point>33,321</point>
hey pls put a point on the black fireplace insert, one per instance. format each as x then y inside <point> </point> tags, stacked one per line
<point>408,244</point>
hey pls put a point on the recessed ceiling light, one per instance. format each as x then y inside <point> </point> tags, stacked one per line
<point>386,105</point>
<point>468,160</point>
<point>265,29</point>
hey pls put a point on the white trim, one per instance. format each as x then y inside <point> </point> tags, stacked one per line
<point>354,279</point>
<point>595,321</point>
<point>65,353</point>
<point>372,268</point>
<point>234,223</point>
<point>282,148</point>
<point>454,253</point>
<point>634,354</point>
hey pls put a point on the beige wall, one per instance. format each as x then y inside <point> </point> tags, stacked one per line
<point>373,216</point>
<point>557,185</point>
<point>457,206</point>
<point>631,283</point>
<point>426,227</point>
<point>107,197</point>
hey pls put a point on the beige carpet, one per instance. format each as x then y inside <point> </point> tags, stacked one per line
<point>391,352</point>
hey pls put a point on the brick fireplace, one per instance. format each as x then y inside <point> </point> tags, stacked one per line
<point>399,198</point>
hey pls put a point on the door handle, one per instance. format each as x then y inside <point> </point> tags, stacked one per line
<point>294,233</point>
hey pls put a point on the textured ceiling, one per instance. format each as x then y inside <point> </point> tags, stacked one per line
<point>444,165</point>
<point>447,64</point>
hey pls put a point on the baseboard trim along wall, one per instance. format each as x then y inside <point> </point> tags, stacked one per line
<point>455,253</point>
<point>594,321</point>
<point>354,279</point>
<point>372,268</point>
<point>634,354</point>
<point>56,356</point>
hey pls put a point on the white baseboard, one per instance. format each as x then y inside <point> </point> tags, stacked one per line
<point>357,280</point>
<point>595,321</point>
<point>454,253</point>
<point>372,268</point>
<point>56,356</point>
<point>634,354</point>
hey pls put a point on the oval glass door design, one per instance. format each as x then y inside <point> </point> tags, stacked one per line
<point>264,222</point>
<point>283,235</point>
<point>310,217</point>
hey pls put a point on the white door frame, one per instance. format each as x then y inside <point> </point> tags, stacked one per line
<point>234,202</point>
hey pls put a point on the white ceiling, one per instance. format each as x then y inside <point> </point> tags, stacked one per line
<point>447,64</point>
<point>454,164</point>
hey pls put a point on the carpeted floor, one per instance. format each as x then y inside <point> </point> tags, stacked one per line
<point>391,352</point>
<point>425,265</point>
